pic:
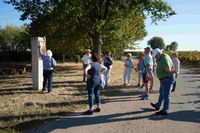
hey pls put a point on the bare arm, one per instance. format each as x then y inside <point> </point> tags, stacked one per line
<point>103,68</point>
<point>87,68</point>
<point>169,70</point>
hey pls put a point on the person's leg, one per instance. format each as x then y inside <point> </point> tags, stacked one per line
<point>129,76</point>
<point>45,76</point>
<point>97,96</point>
<point>50,78</point>
<point>167,87</point>
<point>174,84</point>
<point>90,97</point>
<point>124,75</point>
<point>139,78</point>
<point>108,76</point>
<point>161,95</point>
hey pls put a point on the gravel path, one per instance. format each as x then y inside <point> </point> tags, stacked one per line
<point>124,112</point>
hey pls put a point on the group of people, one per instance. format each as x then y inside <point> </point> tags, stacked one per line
<point>151,64</point>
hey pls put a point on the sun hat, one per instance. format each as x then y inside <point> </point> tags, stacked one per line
<point>156,51</point>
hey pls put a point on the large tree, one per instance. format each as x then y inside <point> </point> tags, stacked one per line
<point>101,23</point>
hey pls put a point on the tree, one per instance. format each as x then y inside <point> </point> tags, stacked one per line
<point>105,23</point>
<point>156,42</point>
<point>14,38</point>
<point>173,46</point>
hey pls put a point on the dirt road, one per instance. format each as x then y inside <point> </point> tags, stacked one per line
<point>124,112</point>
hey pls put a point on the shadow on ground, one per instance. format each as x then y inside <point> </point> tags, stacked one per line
<point>182,116</point>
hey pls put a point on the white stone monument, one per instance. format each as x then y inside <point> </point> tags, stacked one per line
<point>37,64</point>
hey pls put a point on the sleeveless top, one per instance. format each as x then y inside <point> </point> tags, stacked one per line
<point>95,72</point>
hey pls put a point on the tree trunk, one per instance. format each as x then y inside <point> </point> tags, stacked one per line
<point>97,42</point>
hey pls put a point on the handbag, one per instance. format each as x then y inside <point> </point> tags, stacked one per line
<point>149,76</point>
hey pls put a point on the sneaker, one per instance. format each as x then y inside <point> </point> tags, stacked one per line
<point>128,84</point>
<point>97,110</point>
<point>161,113</point>
<point>154,105</point>
<point>88,112</point>
<point>172,90</point>
<point>145,97</point>
<point>43,91</point>
<point>142,86</point>
<point>138,85</point>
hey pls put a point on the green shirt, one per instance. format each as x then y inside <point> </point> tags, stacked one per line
<point>165,61</point>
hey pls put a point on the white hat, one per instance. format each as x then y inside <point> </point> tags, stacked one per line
<point>49,53</point>
<point>156,52</point>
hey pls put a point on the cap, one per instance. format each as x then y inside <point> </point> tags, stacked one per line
<point>156,52</point>
<point>49,53</point>
<point>147,48</point>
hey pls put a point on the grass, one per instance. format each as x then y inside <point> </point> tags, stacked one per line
<point>23,109</point>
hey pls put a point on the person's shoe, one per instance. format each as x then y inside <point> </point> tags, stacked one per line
<point>97,110</point>
<point>142,86</point>
<point>49,91</point>
<point>145,97</point>
<point>161,113</point>
<point>124,84</point>
<point>154,105</point>
<point>128,84</point>
<point>88,112</point>
<point>138,85</point>
<point>43,91</point>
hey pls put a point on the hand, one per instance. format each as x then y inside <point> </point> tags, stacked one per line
<point>88,76</point>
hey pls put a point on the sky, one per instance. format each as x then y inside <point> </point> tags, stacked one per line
<point>184,28</point>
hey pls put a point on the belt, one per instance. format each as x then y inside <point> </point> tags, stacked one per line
<point>165,78</point>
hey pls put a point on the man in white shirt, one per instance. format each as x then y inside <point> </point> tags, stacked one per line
<point>86,60</point>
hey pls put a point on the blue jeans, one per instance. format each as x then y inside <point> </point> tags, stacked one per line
<point>48,76</point>
<point>93,90</point>
<point>165,91</point>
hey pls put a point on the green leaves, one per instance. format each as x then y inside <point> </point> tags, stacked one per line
<point>156,42</point>
<point>76,23</point>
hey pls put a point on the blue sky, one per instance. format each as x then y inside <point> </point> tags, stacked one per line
<point>183,27</point>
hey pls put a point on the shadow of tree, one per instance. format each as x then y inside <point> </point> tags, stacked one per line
<point>15,91</point>
<point>184,116</point>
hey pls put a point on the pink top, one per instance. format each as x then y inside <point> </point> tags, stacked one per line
<point>176,63</point>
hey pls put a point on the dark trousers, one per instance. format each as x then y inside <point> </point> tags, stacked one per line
<point>48,76</point>
<point>174,85</point>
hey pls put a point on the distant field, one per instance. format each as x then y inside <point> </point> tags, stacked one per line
<point>189,58</point>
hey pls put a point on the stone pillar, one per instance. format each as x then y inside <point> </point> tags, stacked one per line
<point>37,64</point>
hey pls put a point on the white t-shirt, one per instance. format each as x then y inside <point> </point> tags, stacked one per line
<point>87,59</point>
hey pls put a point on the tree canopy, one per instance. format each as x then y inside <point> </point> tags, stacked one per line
<point>156,42</point>
<point>173,46</point>
<point>97,24</point>
<point>13,38</point>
